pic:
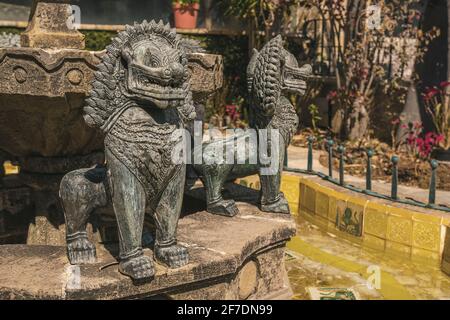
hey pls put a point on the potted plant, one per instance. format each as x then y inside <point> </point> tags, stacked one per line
<point>185,13</point>
<point>437,104</point>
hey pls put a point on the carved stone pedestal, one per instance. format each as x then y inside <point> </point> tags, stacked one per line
<point>42,92</point>
<point>230,258</point>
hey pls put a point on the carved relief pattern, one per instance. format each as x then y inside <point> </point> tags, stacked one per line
<point>375,222</point>
<point>426,235</point>
<point>399,229</point>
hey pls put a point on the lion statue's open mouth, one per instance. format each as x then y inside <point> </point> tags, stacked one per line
<point>145,65</point>
<point>156,72</point>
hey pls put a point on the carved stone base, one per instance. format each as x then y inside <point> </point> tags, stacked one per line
<point>230,258</point>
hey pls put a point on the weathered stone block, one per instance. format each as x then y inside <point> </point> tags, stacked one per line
<point>249,265</point>
<point>51,26</point>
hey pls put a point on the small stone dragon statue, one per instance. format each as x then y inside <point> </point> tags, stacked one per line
<point>272,74</point>
<point>140,96</point>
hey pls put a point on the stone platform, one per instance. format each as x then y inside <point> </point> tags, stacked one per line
<point>230,258</point>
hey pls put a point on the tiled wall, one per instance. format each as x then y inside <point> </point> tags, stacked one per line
<point>366,220</point>
<point>380,226</point>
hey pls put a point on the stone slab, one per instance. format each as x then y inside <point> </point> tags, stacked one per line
<point>220,250</point>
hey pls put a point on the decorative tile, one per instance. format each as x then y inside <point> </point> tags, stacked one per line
<point>399,229</point>
<point>375,221</point>
<point>349,218</point>
<point>332,293</point>
<point>310,200</point>
<point>426,235</point>
<point>322,204</point>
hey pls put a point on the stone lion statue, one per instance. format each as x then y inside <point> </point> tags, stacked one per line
<point>140,96</point>
<point>272,74</point>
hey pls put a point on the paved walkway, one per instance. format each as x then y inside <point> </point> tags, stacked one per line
<point>297,158</point>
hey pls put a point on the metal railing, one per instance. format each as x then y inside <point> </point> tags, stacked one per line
<point>368,189</point>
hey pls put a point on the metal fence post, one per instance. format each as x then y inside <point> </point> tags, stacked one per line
<point>341,151</point>
<point>330,143</point>
<point>432,195</point>
<point>310,153</point>
<point>394,184</point>
<point>369,169</point>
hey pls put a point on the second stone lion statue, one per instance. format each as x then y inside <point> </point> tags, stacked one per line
<point>272,74</point>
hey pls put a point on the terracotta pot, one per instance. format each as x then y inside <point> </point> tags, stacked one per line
<point>186,15</point>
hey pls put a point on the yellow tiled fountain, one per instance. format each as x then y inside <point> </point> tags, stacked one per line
<point>357,230</point>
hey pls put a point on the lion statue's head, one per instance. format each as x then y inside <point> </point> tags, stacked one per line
<point>145,65</point>
<point>274,71</point>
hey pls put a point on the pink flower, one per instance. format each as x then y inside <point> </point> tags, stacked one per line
<point>332,95</point>
<point>439,138</point>
<point>232,111</point>
<point>430,93</point>
<point>426,145</point>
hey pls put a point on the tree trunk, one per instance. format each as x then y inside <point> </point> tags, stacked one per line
<point>357,121</point>
<point>337,123</point>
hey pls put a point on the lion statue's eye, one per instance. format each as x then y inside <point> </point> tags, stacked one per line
<point>155,61</point>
